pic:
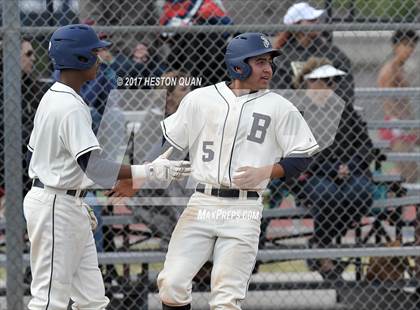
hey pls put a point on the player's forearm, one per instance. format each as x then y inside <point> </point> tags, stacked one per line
<point>276,172</point>
<point>125,172</point>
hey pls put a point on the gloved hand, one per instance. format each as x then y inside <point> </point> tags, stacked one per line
<point>167,170</point>
<point>92,218</point>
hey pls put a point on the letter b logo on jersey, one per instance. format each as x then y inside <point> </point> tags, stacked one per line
<point>259,127</point>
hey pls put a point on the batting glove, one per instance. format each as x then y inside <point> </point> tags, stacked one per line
<point>167,170</point>
<point>92,218</point>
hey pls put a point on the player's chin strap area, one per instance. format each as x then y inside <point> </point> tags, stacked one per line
<point>226,192</point>
<point>186,307</point>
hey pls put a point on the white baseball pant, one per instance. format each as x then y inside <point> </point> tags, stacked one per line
<point>64,262</point>
<point>226,230</point>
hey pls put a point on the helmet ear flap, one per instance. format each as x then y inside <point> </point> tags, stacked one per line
<point>246,70</point>
<point>232,65</point>
<point>243,65</point>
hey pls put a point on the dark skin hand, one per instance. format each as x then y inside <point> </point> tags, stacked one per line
<point>123,190</point>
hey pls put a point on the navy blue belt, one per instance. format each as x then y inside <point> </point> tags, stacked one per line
<point>226,192</point>
<point>71,192</point>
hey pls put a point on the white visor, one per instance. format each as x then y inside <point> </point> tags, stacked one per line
<point>322,72</point>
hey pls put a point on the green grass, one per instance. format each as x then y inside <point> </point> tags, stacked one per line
<point>393,9</point>
<point>289,266</point>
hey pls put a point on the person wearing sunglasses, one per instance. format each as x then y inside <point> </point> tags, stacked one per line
<point>337,185</point>
<point>31,88</point>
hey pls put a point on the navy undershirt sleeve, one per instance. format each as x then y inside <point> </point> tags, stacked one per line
<point>99,169</point>
<point>294,166</point>
<point>28,157</point>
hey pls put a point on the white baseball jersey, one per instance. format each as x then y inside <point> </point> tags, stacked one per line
<point>224,132</point>
<point>62,132</point>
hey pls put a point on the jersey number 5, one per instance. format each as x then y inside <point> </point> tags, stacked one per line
<point>208,153</point>
<point>257,134</point>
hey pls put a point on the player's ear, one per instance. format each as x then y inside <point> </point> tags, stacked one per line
<point>238,69</point>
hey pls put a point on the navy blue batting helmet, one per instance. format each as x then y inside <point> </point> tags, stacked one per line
<point>245,46</point>
<point>71,47</point>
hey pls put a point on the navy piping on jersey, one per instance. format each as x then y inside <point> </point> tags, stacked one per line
<point>67,92</point>
<point>90,148</point>
<point>52,255</point>
<point>28,157</point>
<point>30,148</point>
<point>236,133</point>
<point>304,150</point>
<point>169,139</point>
<point>223,134</point>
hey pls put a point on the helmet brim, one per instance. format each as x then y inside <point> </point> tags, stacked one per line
<point>102,44</point>
<point>274,52</point>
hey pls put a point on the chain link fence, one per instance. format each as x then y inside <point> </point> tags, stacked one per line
<point>342,236</point>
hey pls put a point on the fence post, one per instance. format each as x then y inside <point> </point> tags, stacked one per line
<point>13,154</point>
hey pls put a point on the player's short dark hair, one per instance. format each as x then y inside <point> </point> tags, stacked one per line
<point>404,35</point>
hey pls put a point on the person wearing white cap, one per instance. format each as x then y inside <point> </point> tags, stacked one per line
<point>338,183</point>
<point>297,47</point>
<point>304,14</point>
<point>300,14</point>
<point>301,11</point>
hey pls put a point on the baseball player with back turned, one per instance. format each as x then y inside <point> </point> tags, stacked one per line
<point>65,159</point>
<point>239,134</point>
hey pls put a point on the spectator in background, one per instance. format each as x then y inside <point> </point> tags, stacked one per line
<point>29,87</point>
<point>297,47</point>
<point>392,74</point>
<point>174,93</point>
<point>144,64</point>
<point>337,184</point>
<point>141,53</point>
<point>122,13</point>
<point>201,53</point>
<point>32,91</point>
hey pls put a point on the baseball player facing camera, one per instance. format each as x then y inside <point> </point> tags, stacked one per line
<point>65,158</point>
<point>239,134</point>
